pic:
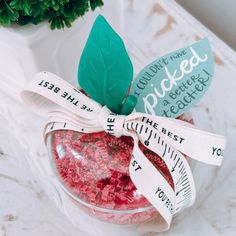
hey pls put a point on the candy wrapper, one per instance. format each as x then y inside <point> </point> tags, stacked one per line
<point>122,148</point>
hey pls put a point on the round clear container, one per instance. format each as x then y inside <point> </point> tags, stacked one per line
<point>93,169</point>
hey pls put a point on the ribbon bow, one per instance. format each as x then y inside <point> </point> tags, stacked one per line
<point>68,108</point>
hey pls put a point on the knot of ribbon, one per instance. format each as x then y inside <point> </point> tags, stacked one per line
<point>68,108</point>
<point>111,123</point>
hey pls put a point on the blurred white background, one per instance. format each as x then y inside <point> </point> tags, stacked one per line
<point>219,16</point>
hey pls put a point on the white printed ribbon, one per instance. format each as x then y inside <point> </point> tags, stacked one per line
<point>68,108</point>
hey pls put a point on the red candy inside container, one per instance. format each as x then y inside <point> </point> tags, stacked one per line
<point>93,169</point>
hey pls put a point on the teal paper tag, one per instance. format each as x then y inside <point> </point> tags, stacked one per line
<point>174,83</point>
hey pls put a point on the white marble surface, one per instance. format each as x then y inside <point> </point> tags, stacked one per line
<point>28,192</point>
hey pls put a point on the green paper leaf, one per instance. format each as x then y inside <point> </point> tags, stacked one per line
<point>105,70</point>
<point>174,83</point>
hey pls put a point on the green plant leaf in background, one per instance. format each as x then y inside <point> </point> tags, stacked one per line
<point>59,13</point>
<point>105,70</point>
<point>7,15</point>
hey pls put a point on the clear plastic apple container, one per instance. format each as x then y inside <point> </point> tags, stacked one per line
<point>93,169</point>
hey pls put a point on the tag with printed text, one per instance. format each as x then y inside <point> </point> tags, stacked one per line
<point>174,83</point>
